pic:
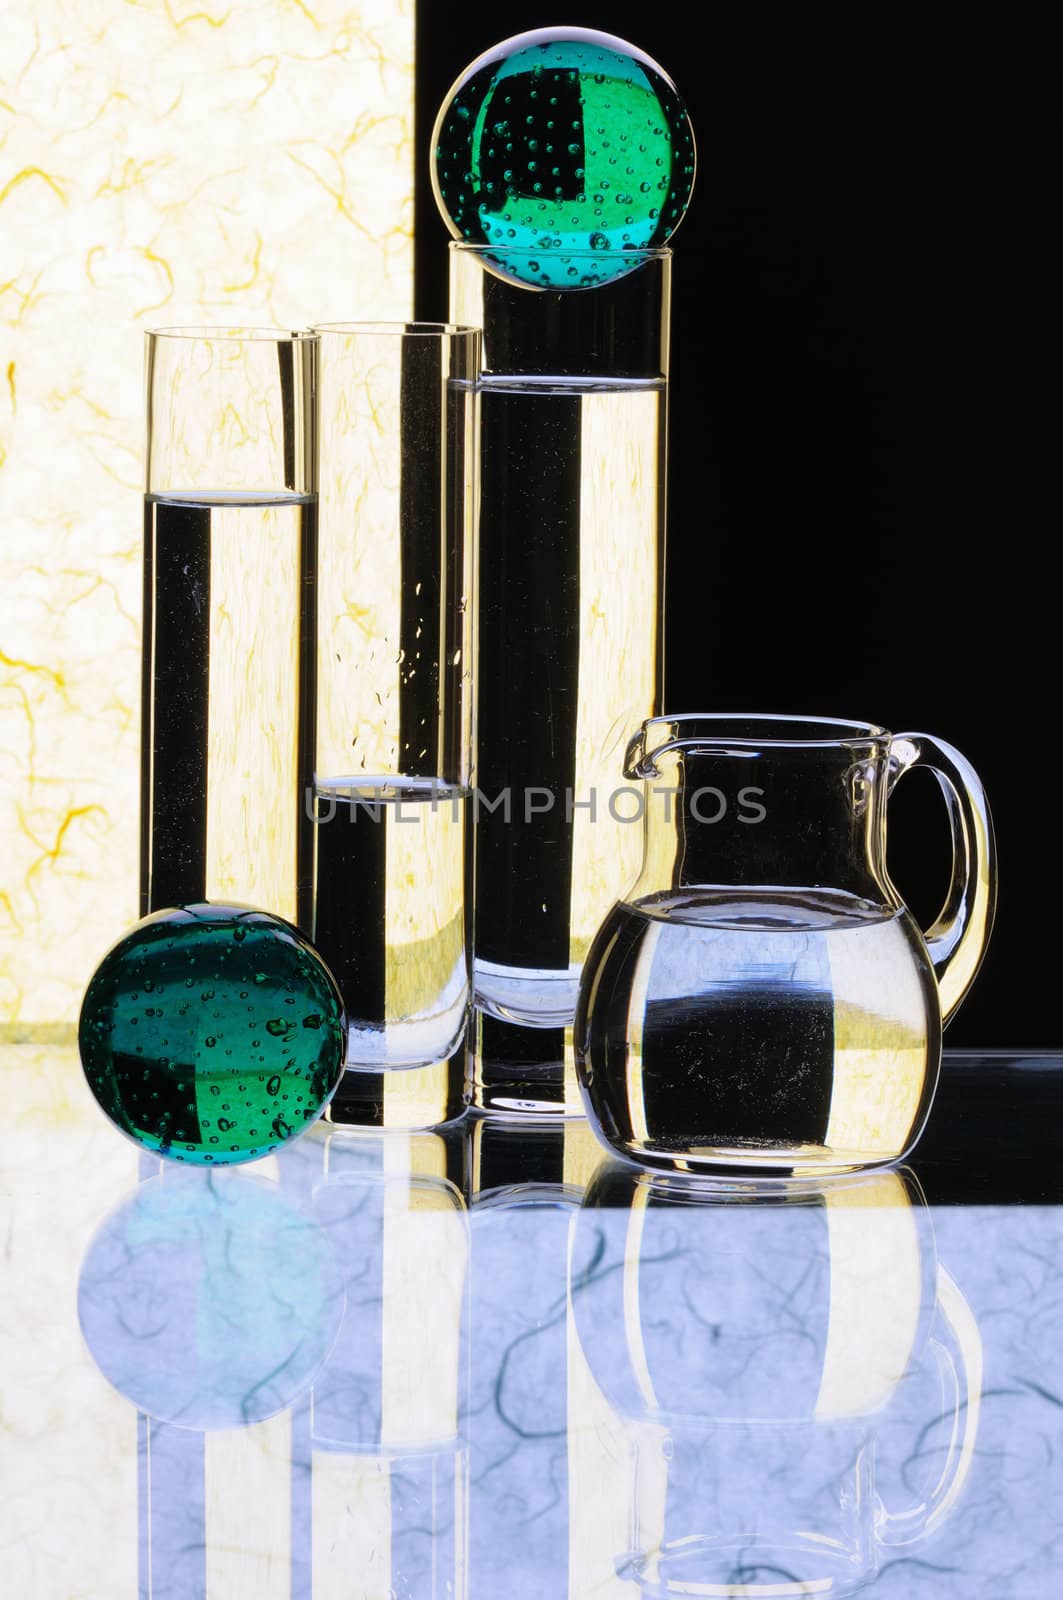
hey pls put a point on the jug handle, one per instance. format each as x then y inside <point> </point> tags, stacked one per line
<point>959,935</point>
<point>906,1527</point>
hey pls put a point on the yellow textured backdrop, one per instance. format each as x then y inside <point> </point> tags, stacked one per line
<point>161,161</point>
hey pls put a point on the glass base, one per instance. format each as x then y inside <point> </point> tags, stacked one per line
<point>414,1042</point>
<point>521,1102</point>
<point>753,1566</point>
<point>520,1071</point>
<point>754,1162</point>
<point>408,1098</point>
<point>535,997</point>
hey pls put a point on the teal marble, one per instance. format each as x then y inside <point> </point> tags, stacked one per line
<point>212,1034</point>
<point>566,150</point>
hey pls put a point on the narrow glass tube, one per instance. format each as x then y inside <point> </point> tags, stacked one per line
<point>393,762</point>
<point>230,532</point>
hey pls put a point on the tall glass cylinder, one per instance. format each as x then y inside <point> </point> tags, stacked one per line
<point>392,771</point>
<point>570,613</point>
<point>230,531</point>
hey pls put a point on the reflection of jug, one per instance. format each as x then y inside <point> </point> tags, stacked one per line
<point>754,1345</point>
<point>762,997</point>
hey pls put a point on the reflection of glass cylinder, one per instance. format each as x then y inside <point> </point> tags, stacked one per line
<point>393,759</point>
<point>389,1481</point>
<point>171,1508</point>
<point>519,1522</point>
<point>569,619</point>
<point>230,533</point>
<point>536,1488</point>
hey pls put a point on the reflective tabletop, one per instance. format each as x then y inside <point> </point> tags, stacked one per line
<point>489,1363</point>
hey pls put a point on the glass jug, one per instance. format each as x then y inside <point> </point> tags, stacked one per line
<point>762,998</point>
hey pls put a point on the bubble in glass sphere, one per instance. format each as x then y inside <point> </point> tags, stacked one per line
<point>563,141</point>
<point>211,1034</point>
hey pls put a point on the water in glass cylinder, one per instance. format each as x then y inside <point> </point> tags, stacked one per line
<point>570,651</point>
<point>389,914</point>
<point>227,724</point>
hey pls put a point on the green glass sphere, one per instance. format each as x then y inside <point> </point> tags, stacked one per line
<point>212,1034</point>
<point>558,141</point>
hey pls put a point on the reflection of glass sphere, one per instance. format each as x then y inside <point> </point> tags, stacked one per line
<point>212,1034</point>
<point>209,1300</point>
<point>563,140</point>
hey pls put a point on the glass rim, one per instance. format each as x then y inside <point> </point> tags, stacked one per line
<point>757,729</point>
<point>639,253</point>
<point>233,332</point>
<point>405,330</point>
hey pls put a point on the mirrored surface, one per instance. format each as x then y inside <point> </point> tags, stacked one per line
<point>487,1361</point>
